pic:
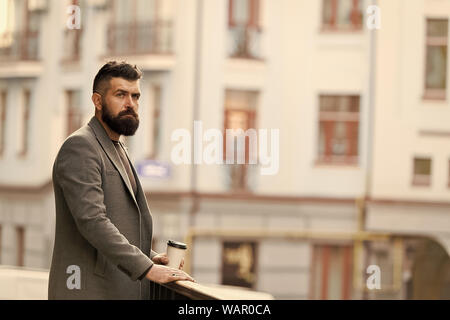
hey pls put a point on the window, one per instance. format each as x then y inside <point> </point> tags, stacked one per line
<point>244,28</point>
<point>241,149</point>
<point>338,129</point>
<point>244,12</point>
<point>72,38</point>
<point>128,11</point>
<point>342,15</point>
<point>436,59</point>
<point>74,114</point>
<point>140,27</point>
<point>32,14</point>
<point>155,121</point>
<point>7,10</point>
<point>20,31</point>
<point>331,277</point>
<point>3,97</point>
<point>422,172</point>
<point>20,249</point>
<point>24,124</point>
<point>239,264</point>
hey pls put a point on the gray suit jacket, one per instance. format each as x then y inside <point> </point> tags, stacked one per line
<point>103,232</point>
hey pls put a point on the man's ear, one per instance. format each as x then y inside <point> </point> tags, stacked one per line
<point>97,100</point>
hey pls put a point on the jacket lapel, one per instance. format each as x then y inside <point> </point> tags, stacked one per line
<point>111,152</point>
<point>133,169</point>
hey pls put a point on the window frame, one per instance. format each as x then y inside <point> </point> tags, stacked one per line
<point>422,180</point>
<point>435,41</point>
<point>245,37</point>
<point>73,112</point>
<point>333,26</point>
<point>329,119</point>
<point>251,112</point>
<point>254,11</point>
<point>127,38</point>
<point>321,270</point>
<point>73,38</point>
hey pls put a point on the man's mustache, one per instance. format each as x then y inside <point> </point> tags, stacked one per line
<point>128,112</point>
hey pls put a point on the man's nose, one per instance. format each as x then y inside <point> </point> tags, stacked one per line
<point>129,100</point>
<point>130,103</point>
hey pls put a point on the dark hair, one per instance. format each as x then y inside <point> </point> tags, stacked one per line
<point>114,69</point>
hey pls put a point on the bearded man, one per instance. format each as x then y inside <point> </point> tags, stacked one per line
<point>103,231</point>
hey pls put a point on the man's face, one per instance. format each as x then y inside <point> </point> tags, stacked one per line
<point>120,105</point>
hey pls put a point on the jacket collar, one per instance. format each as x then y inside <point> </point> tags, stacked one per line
<point>111,152</point>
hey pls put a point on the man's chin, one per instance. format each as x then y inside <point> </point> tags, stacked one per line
<point>125,125</point>
<point>128,134</point>
<point>129,130</point>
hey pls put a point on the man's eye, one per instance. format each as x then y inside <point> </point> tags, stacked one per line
<point>120,94</point>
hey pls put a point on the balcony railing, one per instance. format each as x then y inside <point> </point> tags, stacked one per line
<point>140,38</point>
<point>186,290</point>
<point>19,46</point>
<point>245,42</point>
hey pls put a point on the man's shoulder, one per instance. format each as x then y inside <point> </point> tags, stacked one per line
<point>76,150</point>
<point>83,138</point>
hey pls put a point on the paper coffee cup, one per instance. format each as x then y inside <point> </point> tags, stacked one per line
<point>175,252</point>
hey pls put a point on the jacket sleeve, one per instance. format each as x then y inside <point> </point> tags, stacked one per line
<point>79,174</point>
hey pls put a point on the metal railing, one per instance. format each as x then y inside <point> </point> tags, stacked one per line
<point>19,46</point>
<point>245,42</point>
<point>186,290</point>
<point>140,38</point>
<point>160,292</point>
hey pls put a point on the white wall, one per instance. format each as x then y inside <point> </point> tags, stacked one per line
<point>400,111</point>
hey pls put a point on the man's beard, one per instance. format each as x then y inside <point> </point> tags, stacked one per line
<point>122,123</point>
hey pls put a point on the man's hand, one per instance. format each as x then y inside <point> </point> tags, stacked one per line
<point>162,274</point>
<point>162,258</point>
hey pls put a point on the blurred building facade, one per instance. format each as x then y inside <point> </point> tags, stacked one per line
<point>364,166</point>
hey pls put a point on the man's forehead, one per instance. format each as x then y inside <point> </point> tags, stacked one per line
<point>124,84</point>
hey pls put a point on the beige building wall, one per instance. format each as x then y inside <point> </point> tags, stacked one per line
<point>407,125</point>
